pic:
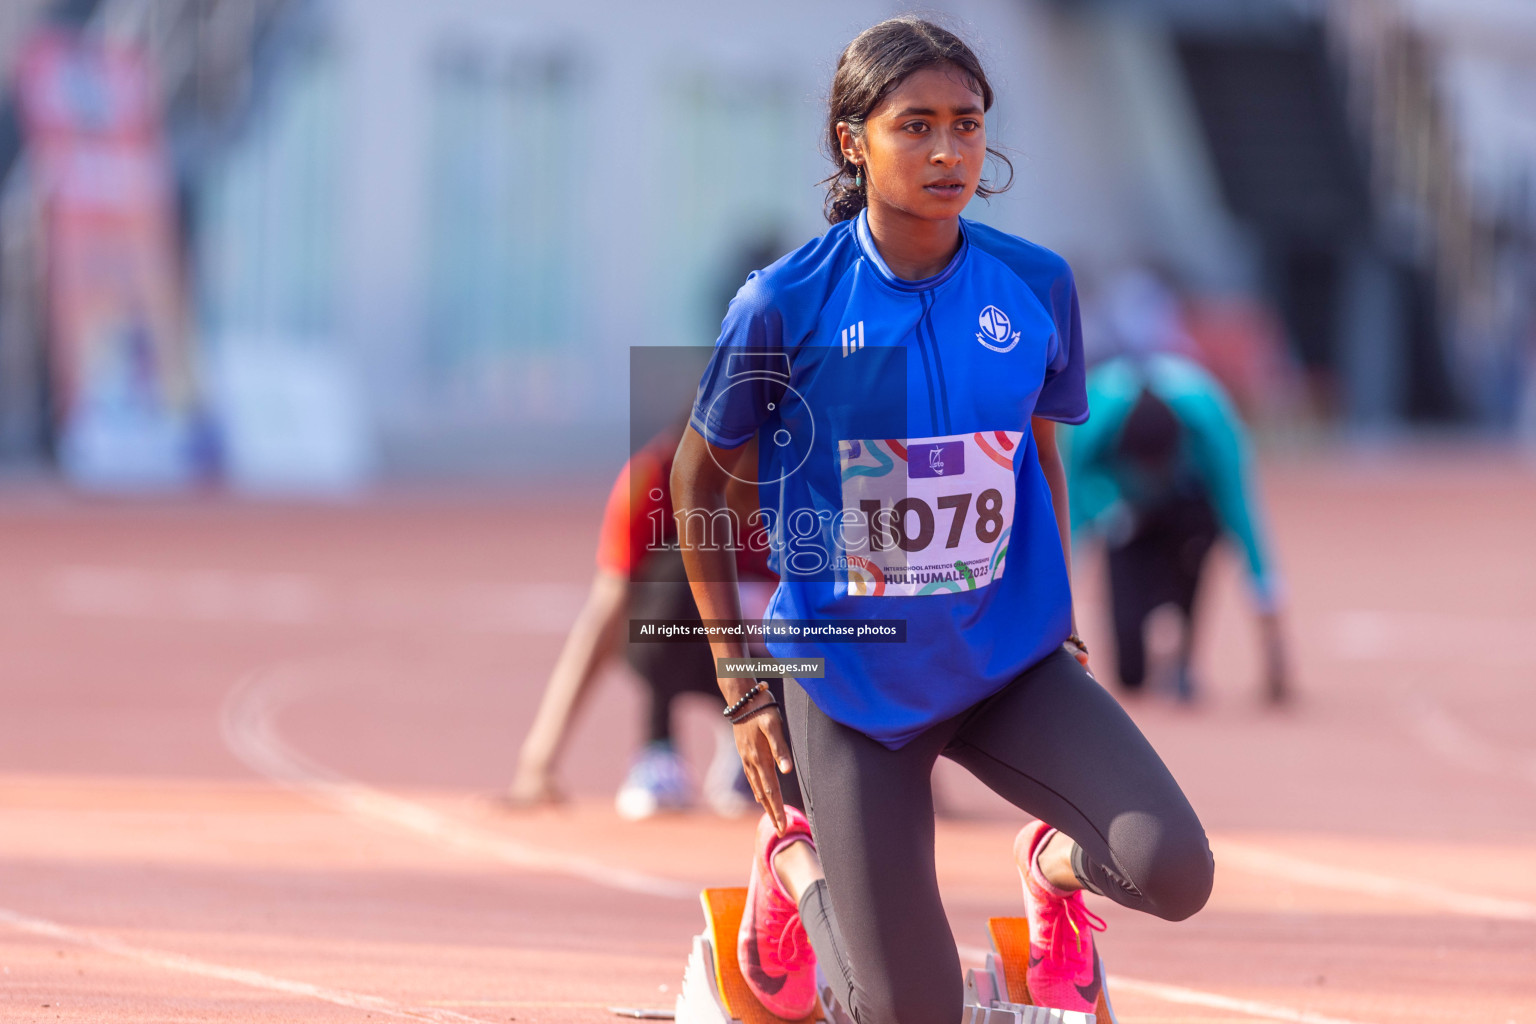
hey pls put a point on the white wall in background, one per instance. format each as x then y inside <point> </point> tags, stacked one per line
<point>514,194</point>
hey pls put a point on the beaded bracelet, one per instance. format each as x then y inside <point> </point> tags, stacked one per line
<point>745,698</point>
<point>1077,641</point>
<point>772,704</point>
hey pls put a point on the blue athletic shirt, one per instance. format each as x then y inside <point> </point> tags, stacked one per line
<point>897,470</point>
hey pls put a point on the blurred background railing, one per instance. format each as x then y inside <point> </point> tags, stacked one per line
<point>382,239</point>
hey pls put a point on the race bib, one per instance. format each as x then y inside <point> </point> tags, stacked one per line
<point>926,515</point>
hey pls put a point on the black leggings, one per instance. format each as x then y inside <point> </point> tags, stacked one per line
<point>1160,565</point>
<point>659,590</point>
<point>673,668</point>
<point>1053,743</point>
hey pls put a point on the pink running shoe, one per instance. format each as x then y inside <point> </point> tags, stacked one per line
<point>772,948</point>
<point>1063,971</point>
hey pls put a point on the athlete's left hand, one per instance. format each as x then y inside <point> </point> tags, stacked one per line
<point>764,756</point>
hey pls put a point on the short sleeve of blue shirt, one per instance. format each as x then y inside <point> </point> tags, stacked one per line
<point>732,402</point>
<point>1064,395</point>
<point>773,314</point>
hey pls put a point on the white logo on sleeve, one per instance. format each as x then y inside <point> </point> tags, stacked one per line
<point>997,331</point>
<point>853,339</point>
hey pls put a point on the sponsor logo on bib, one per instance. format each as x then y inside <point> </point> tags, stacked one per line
<point>943,459</point>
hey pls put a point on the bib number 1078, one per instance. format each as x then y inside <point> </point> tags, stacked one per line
<point>910,523</point>
<point>927,515</point>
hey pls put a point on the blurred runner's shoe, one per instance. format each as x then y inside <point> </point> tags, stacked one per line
<point>1063,972</point>
<point>657,781</point>
<point>772,948</point>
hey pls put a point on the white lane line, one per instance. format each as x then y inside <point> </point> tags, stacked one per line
<point>1377,635</point>
<point>1438,731</point>
<point>301,600</point>
<point>238,975</point>
<point>248,726</point>
<point>198,595</point>
<point>1270,864</point>
<point>1193,996</point>
<point>250,732</point>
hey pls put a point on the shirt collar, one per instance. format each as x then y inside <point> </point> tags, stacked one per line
<point>872,254</point>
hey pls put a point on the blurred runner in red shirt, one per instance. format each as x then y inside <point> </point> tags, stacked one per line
<point>640,575</point>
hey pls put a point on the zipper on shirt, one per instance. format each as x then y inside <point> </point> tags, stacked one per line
<point>938,363</point>
<point>928,372</point>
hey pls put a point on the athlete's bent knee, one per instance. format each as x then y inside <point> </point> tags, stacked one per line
<point>1179,882</point>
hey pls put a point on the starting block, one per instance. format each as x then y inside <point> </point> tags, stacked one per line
<point>714,991</point>
<point>999,994</point>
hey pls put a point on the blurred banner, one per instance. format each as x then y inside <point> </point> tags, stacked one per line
<point>120,362</point>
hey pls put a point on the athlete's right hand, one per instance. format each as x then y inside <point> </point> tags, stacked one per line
<point>764,756</point>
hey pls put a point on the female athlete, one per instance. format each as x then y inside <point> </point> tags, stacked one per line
<point>905,372</point>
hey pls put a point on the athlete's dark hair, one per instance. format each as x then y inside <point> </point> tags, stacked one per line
<point>876,62</point>
<point>1150,434</point>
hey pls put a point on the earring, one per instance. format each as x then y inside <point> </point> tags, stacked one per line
<point>858,176</point>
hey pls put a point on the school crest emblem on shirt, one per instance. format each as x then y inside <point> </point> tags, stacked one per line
<point>997,331</point>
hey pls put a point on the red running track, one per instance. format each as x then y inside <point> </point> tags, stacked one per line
<point>246,749</point>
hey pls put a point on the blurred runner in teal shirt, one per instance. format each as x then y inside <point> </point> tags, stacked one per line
<point>1160,470</point>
